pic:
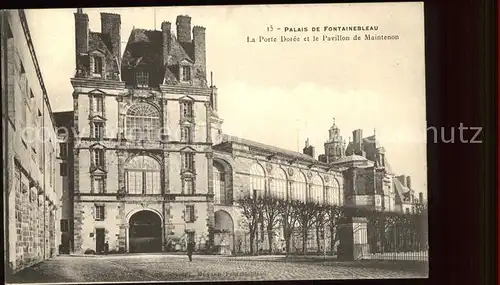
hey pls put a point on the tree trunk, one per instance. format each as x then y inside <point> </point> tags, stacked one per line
<point>252,237</point>
<point>318,239</point>
<point>270,239</point>
<point>304,241</point>
<point>332,240</point>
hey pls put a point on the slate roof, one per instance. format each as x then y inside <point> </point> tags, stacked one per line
<point>268,148</point>
<point>402,191</point>
<point>146,47</point>
<point>143,47</point>
<point>100,41</point>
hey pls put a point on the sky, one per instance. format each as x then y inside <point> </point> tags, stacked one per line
<point>284,93</point>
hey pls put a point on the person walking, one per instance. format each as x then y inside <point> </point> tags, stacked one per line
<point>106,248</point>
<point>190,249</point>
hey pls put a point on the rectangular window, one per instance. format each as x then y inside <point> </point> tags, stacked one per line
<point>63,150</point>
<point>64,226</point>
<point>99,213</point>
<point>99,158</point>
<point>189,214</point>
<point>63,169</point>
<point>99,130</point>
<point>188,161</point>
<point>187,109</point>
<point>98,104</point>
<point>99,185</point>
<point>152,182</point>
<point>142,79</point>
<point>186,134</point>
<point>135,182</point>
<point>186,73</point>
<point>97,65</point>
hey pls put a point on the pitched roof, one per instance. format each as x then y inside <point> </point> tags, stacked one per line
<point>401,190</point>
<point>99,41</point>
<point>143,47</point>
<point>268,148</point>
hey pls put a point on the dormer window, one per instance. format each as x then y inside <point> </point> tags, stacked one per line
<point>142,79</point>
<point>185,73</point>
<point>97,66</point>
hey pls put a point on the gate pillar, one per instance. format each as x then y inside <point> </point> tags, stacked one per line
<point>353,236</point>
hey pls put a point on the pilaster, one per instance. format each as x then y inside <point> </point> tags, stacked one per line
<point>353,235</point>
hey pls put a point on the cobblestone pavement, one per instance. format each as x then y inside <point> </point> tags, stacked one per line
<point>175,268</point>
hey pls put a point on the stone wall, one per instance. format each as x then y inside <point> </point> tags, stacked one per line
<point>32,194</point>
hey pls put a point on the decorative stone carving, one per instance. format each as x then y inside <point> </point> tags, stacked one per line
<point>269,167</point>
<point>309,175</point>
<point>144,204</point>
<point>327,178</point>
<point>290,171</point>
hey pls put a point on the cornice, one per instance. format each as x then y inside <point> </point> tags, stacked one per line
<point>97,83</point>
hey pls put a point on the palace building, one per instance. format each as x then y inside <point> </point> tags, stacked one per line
<point>152,167</point>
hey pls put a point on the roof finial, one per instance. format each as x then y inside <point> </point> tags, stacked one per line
<point>307,142</point>
<point>79,10</point>
<point>374,131</point>
<point>334,121</point>
<point>349,139</point>
<point>211,79</point>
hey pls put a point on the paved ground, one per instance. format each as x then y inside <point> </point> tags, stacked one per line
<point>176,267</point>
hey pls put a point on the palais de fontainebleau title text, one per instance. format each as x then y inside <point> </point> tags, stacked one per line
<point>321,34</point>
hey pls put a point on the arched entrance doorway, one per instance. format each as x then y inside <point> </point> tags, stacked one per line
<point>224,232</point>
<point>145,232</point>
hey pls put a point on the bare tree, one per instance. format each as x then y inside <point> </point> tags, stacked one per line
<point>251,208</point>
<point>321,219</point>
<point>333,214</point>
<point>307,213</point>
<point>271,213</point>
<point>288,216</point>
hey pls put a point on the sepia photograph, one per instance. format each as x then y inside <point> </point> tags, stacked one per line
<point>214,143</point>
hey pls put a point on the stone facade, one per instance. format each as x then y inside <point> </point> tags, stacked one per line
<point>153,169</point>
<point>31,193</point>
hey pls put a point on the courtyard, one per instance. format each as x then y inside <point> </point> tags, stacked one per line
<point>160,267</point>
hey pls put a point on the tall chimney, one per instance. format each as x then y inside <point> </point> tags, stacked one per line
<point>308,149</point>
<point>199,51</point>
<point>111,24</point>
<point>357,140</point>
<point>408,182</point>
<point>166,29</point>
<point>81,33</point>
<point>421,197</point>
<point>183,28</point>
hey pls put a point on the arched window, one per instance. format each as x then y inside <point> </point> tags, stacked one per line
<point>316,194</point>
<point>142,176</point>
<point>299,187</point>
<point>333,193</point>
<point>278,183</point>
<point>143,122</point>
<point>257,180</point>
<point>219,183</point>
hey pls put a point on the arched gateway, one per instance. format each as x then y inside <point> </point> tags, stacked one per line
<point>224,232</point>
<point>145,232</point>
